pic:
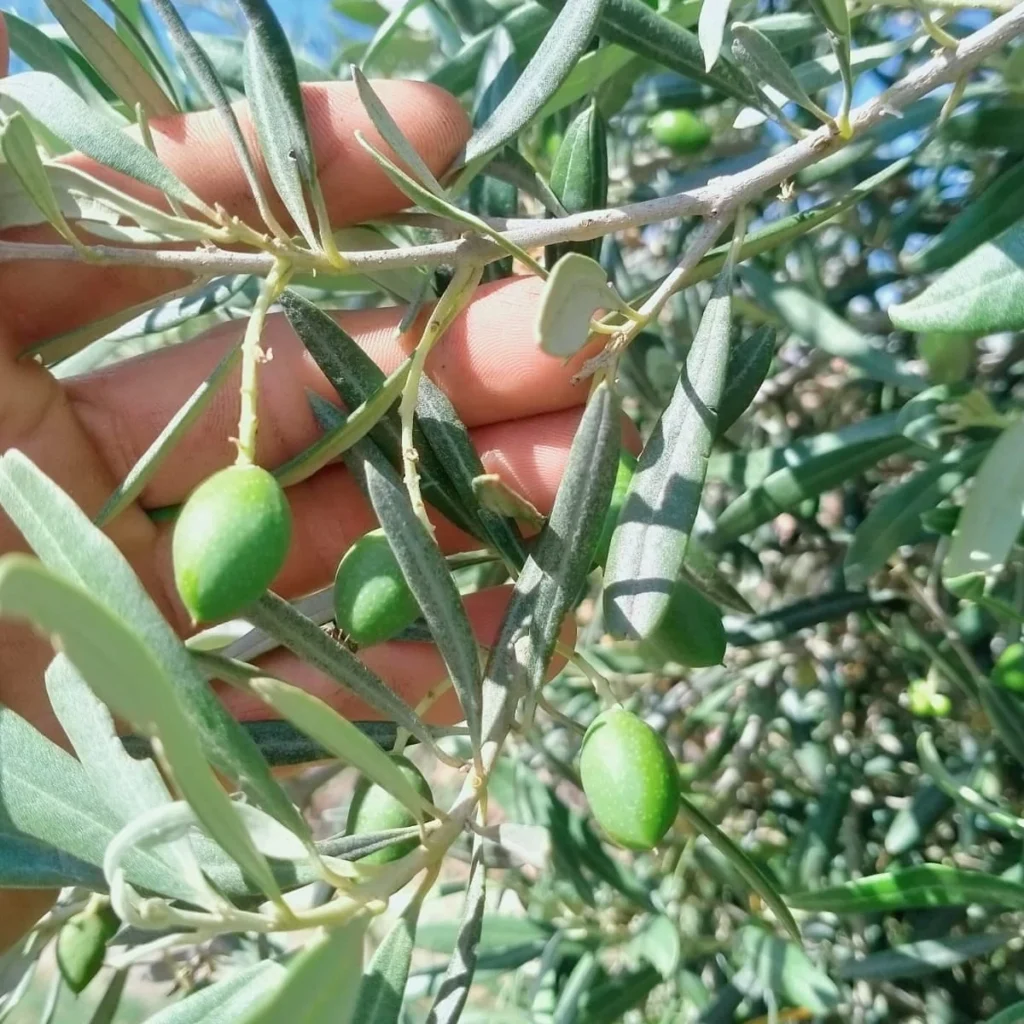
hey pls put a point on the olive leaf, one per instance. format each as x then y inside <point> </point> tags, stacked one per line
<point>497,496</point>
<point>127,786</point>
<point>786,488</point>
<point>303,637</point>
<point>226,1000</point>
<point>202,69</point>
<point>64,538</point>
<point>320,979</point>
<point>383,984</point>
<point>927,956</point>
<point>386,31</point>
<point>426,572</point>
<point>167,440</point>
<point>558,564</point>
<point>980,294</point>
<point>749,363</point>
<point>575,290</point>
<point>112,660</point>
<point>272,88</point>
<point>353,429</point>
<point>563,45</point>
<point>392,134</point>
<point>19,149</point>
<point>928,885</point>
<point>767,67</point>
<point>748,869</point>
<point>991,519</point>
<point>111,57</point>
<point>649,544</point>
<point>711,29</point>
<point>896,519</point>
<point>356,379</point>
<point>453,990</point>
<point>60,110</point>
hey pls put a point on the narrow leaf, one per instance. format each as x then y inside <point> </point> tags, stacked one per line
<point>711,29</point>
<point>929,885</point>
<point>321,983</point>
<point>426,572</point>
<point>453,991</point>
<point>563,45</point>
<point>113,660</point>
<point>917,959</point>
<point>383,984</point>
<point>64,538</point>
<point>272,88</point>
<point>991,520</point>
<point>226,1000</point>
<point>71,119</point>
<point>353,429</point>
<point>763,62</point>
<point>749,363</point>
<point>751,873</point>
<point>111,57</point>
<point>558,564</point>
<point>392,134</point>
<point>649,543</point>
<point>314,646</point>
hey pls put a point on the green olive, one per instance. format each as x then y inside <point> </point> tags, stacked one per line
<point>623,478</point>
<point>372,601</point>
<point>230,541</point>
<point>82,945</point>
<point>690,632</point>
<point>630,779</point>
<point>680,130</point>
<point>374,809</point>
<point>1009,670</point>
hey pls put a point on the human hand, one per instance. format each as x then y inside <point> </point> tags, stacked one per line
<point>87,432</point>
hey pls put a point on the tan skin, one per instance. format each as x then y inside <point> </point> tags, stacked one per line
<point>519,404</point>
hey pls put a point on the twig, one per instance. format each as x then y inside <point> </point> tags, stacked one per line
<point>708,200</point>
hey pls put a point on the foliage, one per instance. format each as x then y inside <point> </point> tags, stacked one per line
<point>812,312</point>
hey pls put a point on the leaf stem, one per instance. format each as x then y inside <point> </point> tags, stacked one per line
<point>252,356</point>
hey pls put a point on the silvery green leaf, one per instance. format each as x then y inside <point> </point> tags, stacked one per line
<point>112,58</point>
<point>991,520</point>
<point>649,544</point>
<point>112,659</point>
<point>458,977</point>
<point>575,290</point>
<point>763,62</point>
<point>68,542</point>
<point>226,1000</point>
<point>383,984</point>
<point>427,575</point>
<point>322,978</point>
<point>71,119</point>
<point>564,44</point>
<point>711,29</point>
<point>392,134</point>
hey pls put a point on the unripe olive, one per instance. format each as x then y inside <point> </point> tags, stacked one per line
<point>1009,669</point>
<point>629,778</point>
<point>230,541</point>
<point>372,601</point>
<point>690,632</point>
<point>623,478</point>
<point>680,130</point>
<point>374,809</point>
<point>82,945</point>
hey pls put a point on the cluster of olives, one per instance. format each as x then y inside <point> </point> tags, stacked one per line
<point>231,540</point>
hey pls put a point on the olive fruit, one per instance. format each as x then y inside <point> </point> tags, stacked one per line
<point>372,601</point>
<point>1009,669</point>
<point>629,778</point>
<point>374,809</point>
<point>82,944</point>
<point>623,478</point>
<point>680,130</point>
<point>230,541</point>
<point>690,632</point>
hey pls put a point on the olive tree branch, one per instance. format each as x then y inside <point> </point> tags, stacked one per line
<point>708,200</point>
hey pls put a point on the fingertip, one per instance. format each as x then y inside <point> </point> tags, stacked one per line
<point>4,48</point>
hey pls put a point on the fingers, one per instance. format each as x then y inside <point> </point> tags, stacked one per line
<point>197,149</point>
<point>4,53</point>
<point>410,669</point>
<point>488,363</point>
